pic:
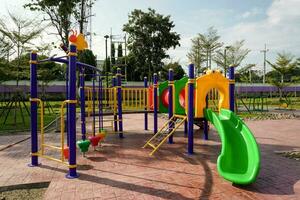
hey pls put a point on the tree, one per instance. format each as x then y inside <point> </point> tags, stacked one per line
<point>284,64</point>
<point>113,53</point>
<point>177,70</point>
<point>48,72</point>
<point>59,12</point>
<point>245,73</point>
<point>196,54</point>
<point>235,54</point>
<point>19,35</point>
<point>81,14</point>
<point>87,56</point>
<point>5,46</point>
<point>120,51</point>
<point>150,36</point>
<point>209,44</point>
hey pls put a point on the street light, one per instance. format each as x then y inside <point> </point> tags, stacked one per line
<point>225,57</point>
<point>106,67</point>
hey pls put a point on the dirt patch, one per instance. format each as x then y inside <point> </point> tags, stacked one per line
<point>25,194</point>
<point>290,154</point>
<point>33,191</point>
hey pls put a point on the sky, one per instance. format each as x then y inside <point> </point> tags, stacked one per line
<point>275,23</point>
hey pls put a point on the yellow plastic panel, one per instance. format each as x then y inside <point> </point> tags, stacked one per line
<point>207,82</point>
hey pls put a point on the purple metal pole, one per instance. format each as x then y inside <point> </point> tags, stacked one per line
<point>82,104</point>
<point>191,109</point>
<point>155,86</point>
<point>146,101</point>
<point>119,88</point>
<point>171,85</point>
<point>114,80</point>
<point>33,109</point>
<point>231,88</point>
<point>72,113</point>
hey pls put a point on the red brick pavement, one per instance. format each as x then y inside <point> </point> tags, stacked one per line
<point>121,169</point>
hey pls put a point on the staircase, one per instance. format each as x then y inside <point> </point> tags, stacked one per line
<point>165,132</point>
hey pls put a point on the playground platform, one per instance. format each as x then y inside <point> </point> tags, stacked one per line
<point>123,170</point>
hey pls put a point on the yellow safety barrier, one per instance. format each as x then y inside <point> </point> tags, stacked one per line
<point>133,99</point>
<point>41,153</point>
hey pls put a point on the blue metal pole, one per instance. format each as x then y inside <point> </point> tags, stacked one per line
<point>33,109</point>
<point>231,88</point>
<point>191,109</point>
<point>119,88</point>
<point>171,85</point>
<point>94,106</point>
<point>185,128</point>
<point>82,104</point>
<point>100,103</point>
<point>114,84</point>
<point>205,122</point>
<point>155,103</point>
<point>146,103</point>
<point>72,112</point>
<point>67,95</point>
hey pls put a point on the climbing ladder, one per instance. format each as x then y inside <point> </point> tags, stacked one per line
<point>165,132</point>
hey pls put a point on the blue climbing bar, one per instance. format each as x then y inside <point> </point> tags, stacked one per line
<point>72,112</point>
<point>231,87</point>
<point>170,98</point>
<point>190,116</point>
<point>155,103</point>
<point>33,109</point>
<point>146,103</point>
<point>119,93</point>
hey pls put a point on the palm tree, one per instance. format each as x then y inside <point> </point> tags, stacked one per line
<point>204,47</point>
<point>210,43</point>
<point>19,35</point>
<point>235,54</point>
<point>196,55</point>
<point>245,73</point>
<point>284,64</point>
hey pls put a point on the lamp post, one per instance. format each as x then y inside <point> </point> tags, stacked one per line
<point>225,59</point>
<point>106,67</point>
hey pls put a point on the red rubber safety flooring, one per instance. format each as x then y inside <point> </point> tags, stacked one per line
<point>121,169</point>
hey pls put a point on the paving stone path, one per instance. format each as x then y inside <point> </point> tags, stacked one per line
<point>123,170</point>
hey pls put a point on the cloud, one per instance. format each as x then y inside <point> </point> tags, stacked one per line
<point>280,30</point>
<point>251,13</point>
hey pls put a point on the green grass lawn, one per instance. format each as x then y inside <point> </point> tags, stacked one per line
<point>52,114</point>
<point>11,127</point>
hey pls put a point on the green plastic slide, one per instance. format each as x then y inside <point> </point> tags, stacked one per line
<point>239,161</point>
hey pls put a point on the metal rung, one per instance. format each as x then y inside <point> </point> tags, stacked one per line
<point>166,131</point>
<point>151,145</point>
<point>51,146</point>
<point>51,158</point>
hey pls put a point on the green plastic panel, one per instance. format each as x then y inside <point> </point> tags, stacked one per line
<point>239,161</point>
<point>161,88</point>
<point>179,85</point>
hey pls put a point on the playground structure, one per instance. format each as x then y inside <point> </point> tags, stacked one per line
<point>239,160</point>
<point>95,101</point>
